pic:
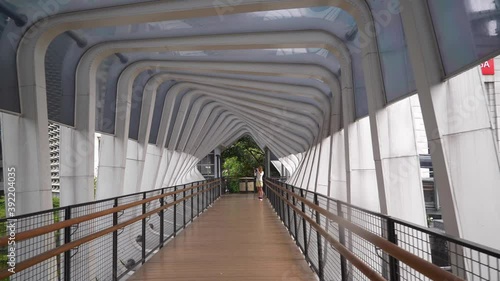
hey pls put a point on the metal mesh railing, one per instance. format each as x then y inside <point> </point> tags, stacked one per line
<point>345,242</point>
<point>102,240</point>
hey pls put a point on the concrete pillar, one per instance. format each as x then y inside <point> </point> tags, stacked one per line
<point>25,151</point>
<point>152,164</point>
<point>461,139</point>
<point>77,150</point>
<point>111,167</point>
<point>338,181</point>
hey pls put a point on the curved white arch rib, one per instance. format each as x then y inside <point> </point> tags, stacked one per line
<point>122,129</point>
<point>332,81</point>
<point>97,52</point>
<point>33,46</point>
<point>256,68</point>
<point>297,70</point>
<point>309,39</point>
<point>289,99</point>
<point>203,137</point>
<point>236,98</point>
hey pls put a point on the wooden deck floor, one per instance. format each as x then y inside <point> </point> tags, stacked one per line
<point>239,238</point>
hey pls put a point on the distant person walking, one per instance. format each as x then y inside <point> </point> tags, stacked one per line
<point>259,174</point>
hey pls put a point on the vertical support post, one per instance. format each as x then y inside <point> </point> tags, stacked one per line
<point>343,261</point>
<point>184,207</point>
<point>282,214</point>
<point>392,237</point>
<point>192,201</point>
<point>321,274</point>
<point>202,198</point>
<point>67,239</point>
<point>278,202</point>
<point>288,210</point>
<point>198,199</point>
<point>143,249</point>
<point>162,221</point>
<point>294,217</point>
<point>115,244</point>
<point>304,229</point>
<point>175,212</point>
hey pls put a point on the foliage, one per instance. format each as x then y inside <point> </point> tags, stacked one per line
<point>233,185</point>
<point>240,159</point>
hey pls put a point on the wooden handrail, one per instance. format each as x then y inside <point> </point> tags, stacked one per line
<point>66,247</point>
<point>423,266</point>
<point>357,262</point>
<point>66,223</point>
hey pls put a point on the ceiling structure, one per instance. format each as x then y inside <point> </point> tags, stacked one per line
<point>305,34</point>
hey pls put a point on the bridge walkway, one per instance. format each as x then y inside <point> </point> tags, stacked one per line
<point>239,238</point>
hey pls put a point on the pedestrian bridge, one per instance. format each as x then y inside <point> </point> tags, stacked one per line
<point>344,96</point>
<point>196,232</point>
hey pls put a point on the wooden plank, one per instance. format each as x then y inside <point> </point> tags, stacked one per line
<point>240,238</point>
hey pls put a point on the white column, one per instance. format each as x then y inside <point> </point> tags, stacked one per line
<point>76,166</point>
<point>25,142</point>
<point>461,139</point>
<point>338,181</point>
<point>111,167</point>
<point>151,167</point>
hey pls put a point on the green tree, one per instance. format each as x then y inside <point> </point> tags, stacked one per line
<point>239,159</point>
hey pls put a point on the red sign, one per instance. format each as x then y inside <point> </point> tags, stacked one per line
<point>488,67</point>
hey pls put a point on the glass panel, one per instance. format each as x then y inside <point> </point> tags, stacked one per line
<point>43,8</point>
<point>136,105</point>
<point>396,68</point>
<point>60,68</point>
<point>467,31</point>
<point>106,100</point>
<point>9,93</point>
<point>161,95</point>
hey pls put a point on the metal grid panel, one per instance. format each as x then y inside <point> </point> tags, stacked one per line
<point>130,237</point>
<point>30,248</point>
<point>94,258</point>
<point>465,261</point>
<point>332,261</point>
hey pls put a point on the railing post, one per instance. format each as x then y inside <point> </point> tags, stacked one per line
<point>282,201</point>
<point>162,221</point>
<point>221,186</point>
<point>288,210</point>
<point>294,216</point>
<point>143,250</point>
<point>321,263</point>
<point>67,239</point>
<point>175,212</point>
<point>211,192</point>
<point>343,261</point>
<point>392,237</point>
<point>184,207</point>
<point>192,205</point>
<point>202,198</point>
<point>198,199</point>
<point>304,228</point>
